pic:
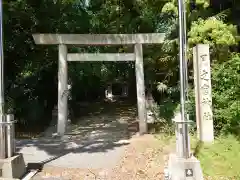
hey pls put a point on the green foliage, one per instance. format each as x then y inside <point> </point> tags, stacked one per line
<point>226,95</point>
<point>31,71</point>
<point>203,2</point>
<point>221,159</point>
<point>170,8</point>
<point>167,109</point>
<point>161,87</point>
<point>213,32</point>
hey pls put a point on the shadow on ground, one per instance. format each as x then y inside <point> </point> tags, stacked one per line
<point>95,140</point>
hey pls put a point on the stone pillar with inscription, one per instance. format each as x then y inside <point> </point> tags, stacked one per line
<point>203,92</point>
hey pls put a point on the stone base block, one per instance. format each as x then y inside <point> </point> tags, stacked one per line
<point>12,168</point>
<point>184,169</point>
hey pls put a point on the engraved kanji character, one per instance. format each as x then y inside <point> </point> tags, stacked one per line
<point>207,101</point>
<point>204,75</point>
<point>203,57</point>
<point>205,89</point>
<point>207,116</point>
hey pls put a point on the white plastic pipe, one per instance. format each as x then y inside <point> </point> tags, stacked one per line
<point>30,175</point>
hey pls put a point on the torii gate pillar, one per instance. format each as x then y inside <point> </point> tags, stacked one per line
<point>62,89</point>
<point>141,100</point>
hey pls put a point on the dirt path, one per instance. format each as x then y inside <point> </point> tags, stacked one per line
<point>143,159</point>
<point>101,135</point>
<point>101,146</point>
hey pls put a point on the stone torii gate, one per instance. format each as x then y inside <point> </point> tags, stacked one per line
<point>62,40</point>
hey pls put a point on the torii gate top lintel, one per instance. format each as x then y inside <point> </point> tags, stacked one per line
<point>99,39</point>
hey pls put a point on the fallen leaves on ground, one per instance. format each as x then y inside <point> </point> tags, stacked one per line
<point>143,160</point>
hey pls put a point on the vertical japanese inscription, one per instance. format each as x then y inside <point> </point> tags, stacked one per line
<point>206,100</point>
<point>203,92</point>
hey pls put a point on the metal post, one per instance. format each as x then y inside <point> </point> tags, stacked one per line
<point>183,128</point>
<point>10,135</point>
<point>2,119</point>
<point>2,137</point>
<point>182,166</point>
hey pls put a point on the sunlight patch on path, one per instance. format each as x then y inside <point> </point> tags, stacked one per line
<point>93,142</point>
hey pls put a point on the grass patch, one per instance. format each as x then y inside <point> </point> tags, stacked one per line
<point>165,139</point>
<point>221,159</point>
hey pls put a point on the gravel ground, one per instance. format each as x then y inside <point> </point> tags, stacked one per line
<point>143,159</point>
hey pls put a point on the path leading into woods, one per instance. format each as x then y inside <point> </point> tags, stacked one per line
<point>101,145</point>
